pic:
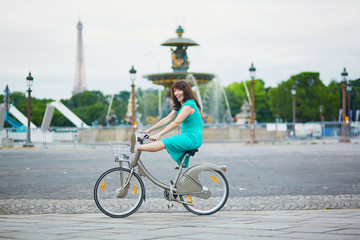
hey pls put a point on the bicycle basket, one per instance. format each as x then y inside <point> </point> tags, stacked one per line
<point>121,151</point>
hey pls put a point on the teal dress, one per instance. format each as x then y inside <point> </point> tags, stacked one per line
<point>190,136</point>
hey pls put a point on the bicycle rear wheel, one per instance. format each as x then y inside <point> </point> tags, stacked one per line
<point>113,198</point>
<point>218,186</point>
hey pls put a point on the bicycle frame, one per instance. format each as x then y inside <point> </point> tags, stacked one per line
<point>196,188</point>
<point>144,172</point>
<point>184,183</point>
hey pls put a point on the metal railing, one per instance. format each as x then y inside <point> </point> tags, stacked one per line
<point>212,133</point>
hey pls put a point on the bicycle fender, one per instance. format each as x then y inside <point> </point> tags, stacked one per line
<point>189,181</point>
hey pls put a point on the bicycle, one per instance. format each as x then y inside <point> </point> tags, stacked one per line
<point>119,192</point>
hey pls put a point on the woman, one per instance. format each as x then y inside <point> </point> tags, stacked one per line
<point>186,112</point>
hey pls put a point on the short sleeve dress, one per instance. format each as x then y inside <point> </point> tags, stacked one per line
<point>190,136</point>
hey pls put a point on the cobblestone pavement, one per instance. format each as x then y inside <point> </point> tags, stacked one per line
<point>246,225</point>
<point>47,206</point>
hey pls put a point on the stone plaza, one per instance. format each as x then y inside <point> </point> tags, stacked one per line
<point>291,190</point>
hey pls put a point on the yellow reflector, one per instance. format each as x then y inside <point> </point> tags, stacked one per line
<point>135,190</point>
<point>214,178</point>
<point>189,197</point>
<point>103,186</point>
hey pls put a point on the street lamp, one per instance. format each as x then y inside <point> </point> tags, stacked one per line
<point>7,105</point>
<point>252,71</point>
<point>348,89</point>
<point>7,102</point>
<point>293,93</point>
<point>29,82</point>
<point>344,75</point>
<point>132,79</point>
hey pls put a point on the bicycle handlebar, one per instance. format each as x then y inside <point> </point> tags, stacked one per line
<point>142,135</point>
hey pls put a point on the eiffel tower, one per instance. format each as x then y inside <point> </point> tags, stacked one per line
<point>80,80</point>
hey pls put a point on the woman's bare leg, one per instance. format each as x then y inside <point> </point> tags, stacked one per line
<point>152,147</point>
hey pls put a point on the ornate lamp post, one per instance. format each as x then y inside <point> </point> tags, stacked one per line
<point>132,79</point>
<point>344,75</point>
<point>29,82</point>
<point>7,104</point>
<point>252,71</point>
<point>293,93</point>
<point>348,89</point>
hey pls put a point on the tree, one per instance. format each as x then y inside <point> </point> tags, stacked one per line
<point>333,102</point>
<point>236,94</point>
<point>89,106</point>
<point>355,96</point>
<point>148,102</point>
<point>311,94</point>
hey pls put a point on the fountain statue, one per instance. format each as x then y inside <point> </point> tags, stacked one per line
<point>180,63</point>
<point>180,66</point>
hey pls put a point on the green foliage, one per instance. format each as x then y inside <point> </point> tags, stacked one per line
<point>332,102</point>
<point>355,96</point>
<point>147,103</point>
<point>261,102</point>
<point>270,103</point>
<point>123,95</point>
<point>311,93</point>
<point>60,120</point>
<point>236,94</point>
<point>38,106</point>
<point>83,99</point>
<point>120,108</point>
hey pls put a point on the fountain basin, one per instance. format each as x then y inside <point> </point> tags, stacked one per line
<point>168,79</point>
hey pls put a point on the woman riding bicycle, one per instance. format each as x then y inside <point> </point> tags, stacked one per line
<point>186,112</point>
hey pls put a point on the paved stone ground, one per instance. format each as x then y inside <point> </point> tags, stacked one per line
<point>263,191</point>
<point>261,177</point>
<point>337,224</point>
<point>47,206</point>
<point>65,172</point>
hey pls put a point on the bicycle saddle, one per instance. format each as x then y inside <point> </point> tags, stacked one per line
<point>192,152</point>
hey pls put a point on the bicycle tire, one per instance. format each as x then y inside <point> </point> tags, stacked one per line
<point>217,184</point>
<point>106,198</point>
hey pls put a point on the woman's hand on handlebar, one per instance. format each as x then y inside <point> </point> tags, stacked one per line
<point>147,131</point>
<point>154,137</point>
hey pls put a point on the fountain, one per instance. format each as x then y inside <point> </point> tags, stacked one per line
<point>180,63</point>
<point>214,93</point>
<point>215,103</point>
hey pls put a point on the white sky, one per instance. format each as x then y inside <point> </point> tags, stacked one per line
<point>281,37</point>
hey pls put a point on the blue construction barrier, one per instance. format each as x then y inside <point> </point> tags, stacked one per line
<point>17,126</point>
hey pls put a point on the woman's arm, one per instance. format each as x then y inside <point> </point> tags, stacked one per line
<point>184,113</point>
<point>162,122</point>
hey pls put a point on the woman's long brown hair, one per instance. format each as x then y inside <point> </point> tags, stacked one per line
<point>188,94</point>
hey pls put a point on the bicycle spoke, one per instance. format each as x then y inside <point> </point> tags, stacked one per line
<point>215,184</point>
<point>114,198</point>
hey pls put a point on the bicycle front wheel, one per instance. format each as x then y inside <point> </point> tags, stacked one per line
<point>214,182</point>
<point>116,199</point>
